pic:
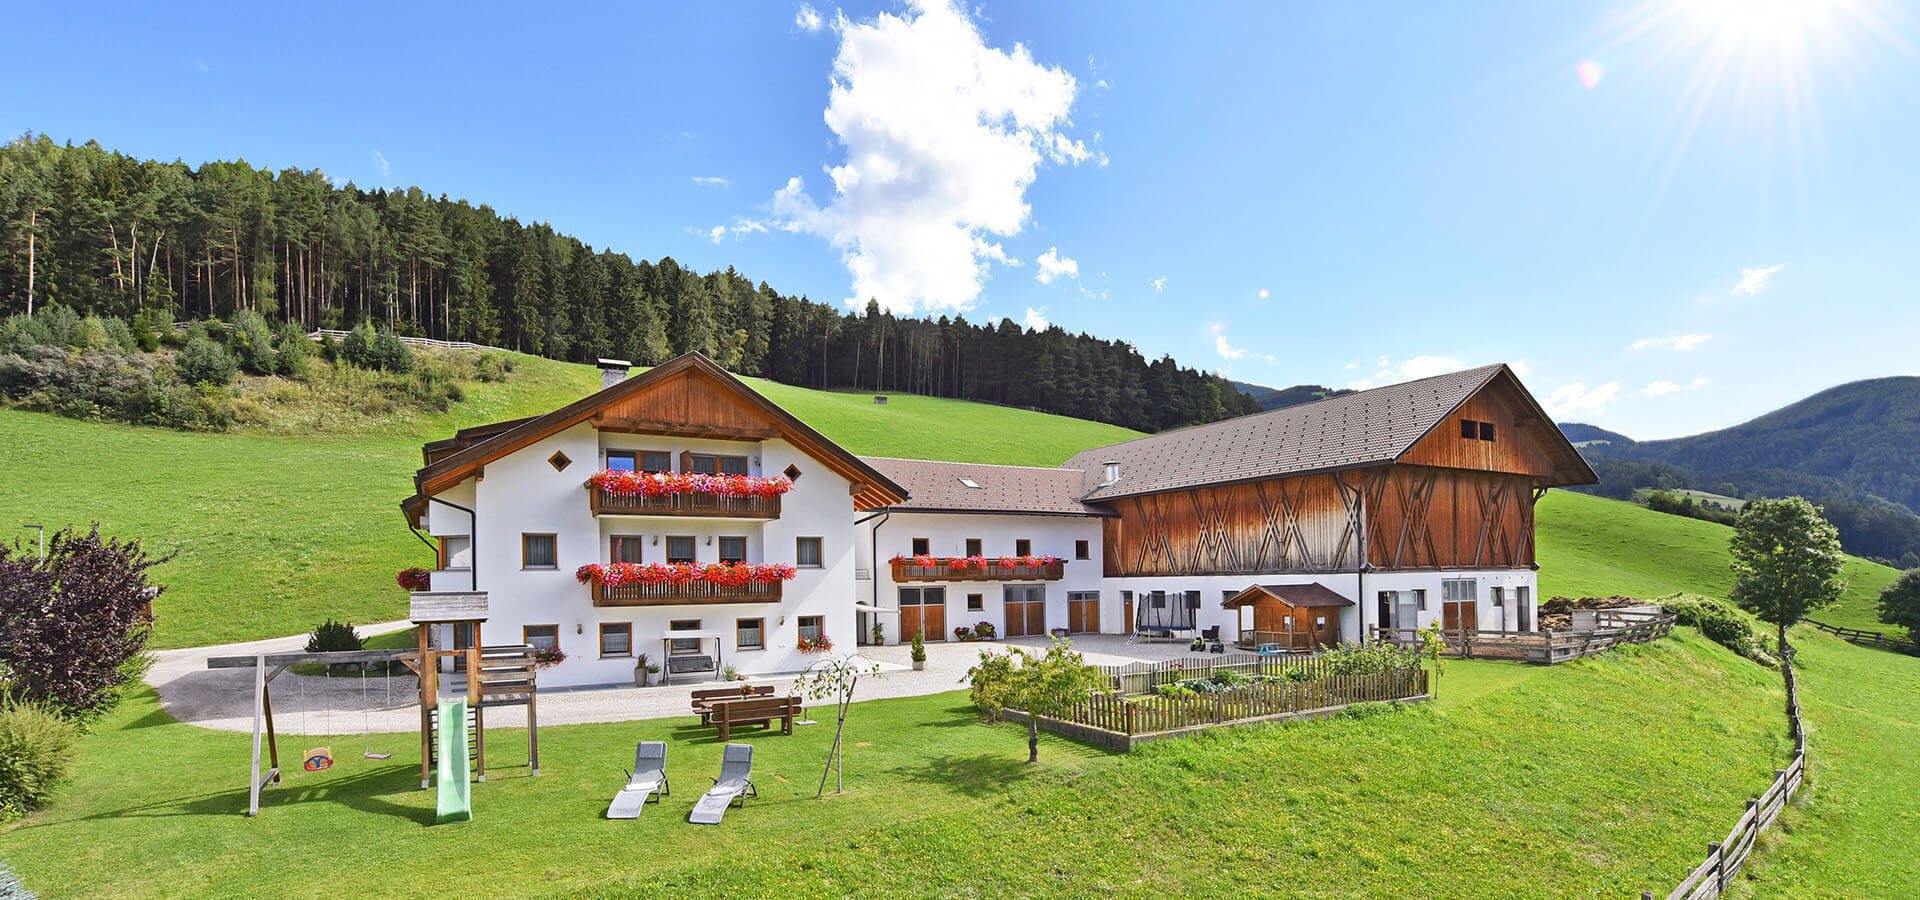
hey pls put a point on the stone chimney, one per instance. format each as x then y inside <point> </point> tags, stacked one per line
<point>613,371</point>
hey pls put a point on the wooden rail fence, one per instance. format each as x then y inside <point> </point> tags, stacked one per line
<point>1869,638</point>
<point>1544,647</point>
<point>1133,716</point>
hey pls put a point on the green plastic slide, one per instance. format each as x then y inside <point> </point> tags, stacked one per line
<point>456,804</point>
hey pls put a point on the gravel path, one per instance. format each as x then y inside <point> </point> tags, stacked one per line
<point>348,704</point>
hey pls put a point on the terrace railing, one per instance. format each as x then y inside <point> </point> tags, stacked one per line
<point>907,571</point>
<point>723,506</point>
<point>694,592</point>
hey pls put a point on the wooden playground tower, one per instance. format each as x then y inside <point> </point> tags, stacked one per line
<point>503,675</point>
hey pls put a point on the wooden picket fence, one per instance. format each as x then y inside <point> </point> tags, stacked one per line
<point>1121,714</point>
<point>1869,638</point>
<point>1145,678</point>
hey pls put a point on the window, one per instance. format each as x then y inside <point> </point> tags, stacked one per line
<point>456,552</point>
<point>1520,597</point>
<point>683,646</point>
<point>622,460</point>
<point>1459,590</point>
<point>806,552</point>
<point>1193,600</point>
<point>1486,431</point>
<point>680,549</point>
<point>1157,600</point>
<point>537,552</point>
<point>922,547</point>
<point>656,461</point>
<point>750,634</point>
<point>1499,596</point>
<point>971,484</point>
<point>976,603</point>
<point>792,473</point>
<point>624,548</point>
<point>812,627</point>
<point>540,637</point>
<point>973,546</point>
<point>1420,598</point>
<point>1474,430</point>
<point>559,461</point>
<point>1023,547</point>
<point>1081,550</point>
<point>616,639</point>
<point>716,465</point>
<point>733,549</point>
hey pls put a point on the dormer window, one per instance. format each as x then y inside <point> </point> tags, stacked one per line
<point>971,484</point>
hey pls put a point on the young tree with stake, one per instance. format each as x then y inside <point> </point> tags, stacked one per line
<point>1786,563</point>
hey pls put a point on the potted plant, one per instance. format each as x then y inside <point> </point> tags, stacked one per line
<point>641,671</point>
<point>546,657</point>
<point>879,634</point>
<point>919,651</point>
<point>730,673</point>
<point>963,633</point>
<point>653,673</point>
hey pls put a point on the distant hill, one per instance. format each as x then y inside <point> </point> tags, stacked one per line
<point>1854,448</point>
<point>1582,434</point>
<point>1276,398</point>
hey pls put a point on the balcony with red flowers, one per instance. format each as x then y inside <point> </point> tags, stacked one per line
<point>622,493</point>
<point>678,584</point>
<point>977,568</point>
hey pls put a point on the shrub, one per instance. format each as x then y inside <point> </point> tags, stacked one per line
<point>62,326</point>
<point>1722,623</point>
<point>92,334</point>
<point>37,750</point>
<point>390,353</point>
<point>331,636</point>
<point>90,384</point>
<point>1367,709</point>
<point>1366,659</point>
<point>1900,604</point>
<point>119,336</point>
<point>294,349</point>
<point>990,683</point>
<point>10,886</point>
<point>73,625</point>
<point>202,361</point>
<point>920,646</point>
<point>493,367</point>
<point>357,347</point>
<point>252,343</point>
<point>144,336</point>
<point>21,332</point>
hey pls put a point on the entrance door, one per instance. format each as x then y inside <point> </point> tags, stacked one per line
<point>923,608</point>
<point>1326,625</point>
<point>1126,603</point>
<point>1458,617</point>
<point>1026,610</point>
<point>1083,612</point>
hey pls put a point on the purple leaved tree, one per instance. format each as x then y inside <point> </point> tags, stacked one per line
<point>73,624</point>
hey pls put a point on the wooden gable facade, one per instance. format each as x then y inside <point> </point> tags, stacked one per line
<point>1448,501</point>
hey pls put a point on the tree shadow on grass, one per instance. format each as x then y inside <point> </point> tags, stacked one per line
<point>364,792</point>
<point>956,717</point>
<point>977,775</point>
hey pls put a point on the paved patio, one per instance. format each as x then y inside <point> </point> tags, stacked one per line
<point>348,704</point>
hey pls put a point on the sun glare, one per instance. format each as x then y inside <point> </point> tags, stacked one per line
<point>1762,21</point>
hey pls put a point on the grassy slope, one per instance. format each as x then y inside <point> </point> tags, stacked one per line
<point>275,532</point>
<point>1501,783</point>
<point>1594,546</point>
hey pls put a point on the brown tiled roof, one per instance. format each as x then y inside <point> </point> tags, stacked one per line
<point>934,486</point>
<point>1371,427</point>
<point>1310,594</point>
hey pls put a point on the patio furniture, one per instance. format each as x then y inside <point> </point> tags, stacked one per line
<point>704,699</point>
<point>734,784</point>
<point>649,775</point>
<point>726,714</point>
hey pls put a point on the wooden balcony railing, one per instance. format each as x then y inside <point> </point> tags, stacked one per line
<point>907,572</point>
<point>707,505</point>
<point>1287,640</point>
<point>697,592</point>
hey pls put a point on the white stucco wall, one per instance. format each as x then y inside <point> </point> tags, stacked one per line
<point>521,493</point>
<point>947,534</point>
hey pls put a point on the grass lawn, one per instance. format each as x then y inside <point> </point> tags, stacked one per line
<point>276,532</point>
<point>1525,781</point>
<point>1592,546</point>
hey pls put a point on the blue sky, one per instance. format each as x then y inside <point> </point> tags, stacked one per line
<point>1676,215</point>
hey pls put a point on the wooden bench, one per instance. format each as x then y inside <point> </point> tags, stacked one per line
<point>754,711</point>
<point>703,700</point>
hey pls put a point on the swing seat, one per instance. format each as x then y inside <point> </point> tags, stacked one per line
<point>372,755</point>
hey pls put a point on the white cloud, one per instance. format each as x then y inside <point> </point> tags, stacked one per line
<point>942,137</point>
<point>711,181</point>
<point>1417,367</point>
<point>995,252</point>
<point>1681,342</point>
<point>1753,281</point>
<point>1159,284</point>
<point>1521,367</point>
<point>1036,319</point>
<point>1576,400</point>
<point>716,233</point>
<point>807,19</point>
<point>1663,387</point>
<point>380,162</point>
<point>1227,350</point>
<point>1051,265</point>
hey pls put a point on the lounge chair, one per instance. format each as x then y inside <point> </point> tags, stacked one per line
<point>734,784</point>
<point>649,775</point>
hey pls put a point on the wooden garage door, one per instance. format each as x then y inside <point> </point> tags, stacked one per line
<point>1083,612</point>
<point>1026,610</point>
<point>923,608</point>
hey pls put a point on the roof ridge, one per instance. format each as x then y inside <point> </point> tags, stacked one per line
<point>1492,367</point>
<point>956,462</point>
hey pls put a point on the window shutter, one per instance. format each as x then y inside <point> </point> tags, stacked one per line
<point>686,460</point>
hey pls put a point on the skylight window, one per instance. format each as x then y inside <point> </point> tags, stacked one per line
<point>971,484</point>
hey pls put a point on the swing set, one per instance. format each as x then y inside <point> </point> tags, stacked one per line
<point>493,676</point>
